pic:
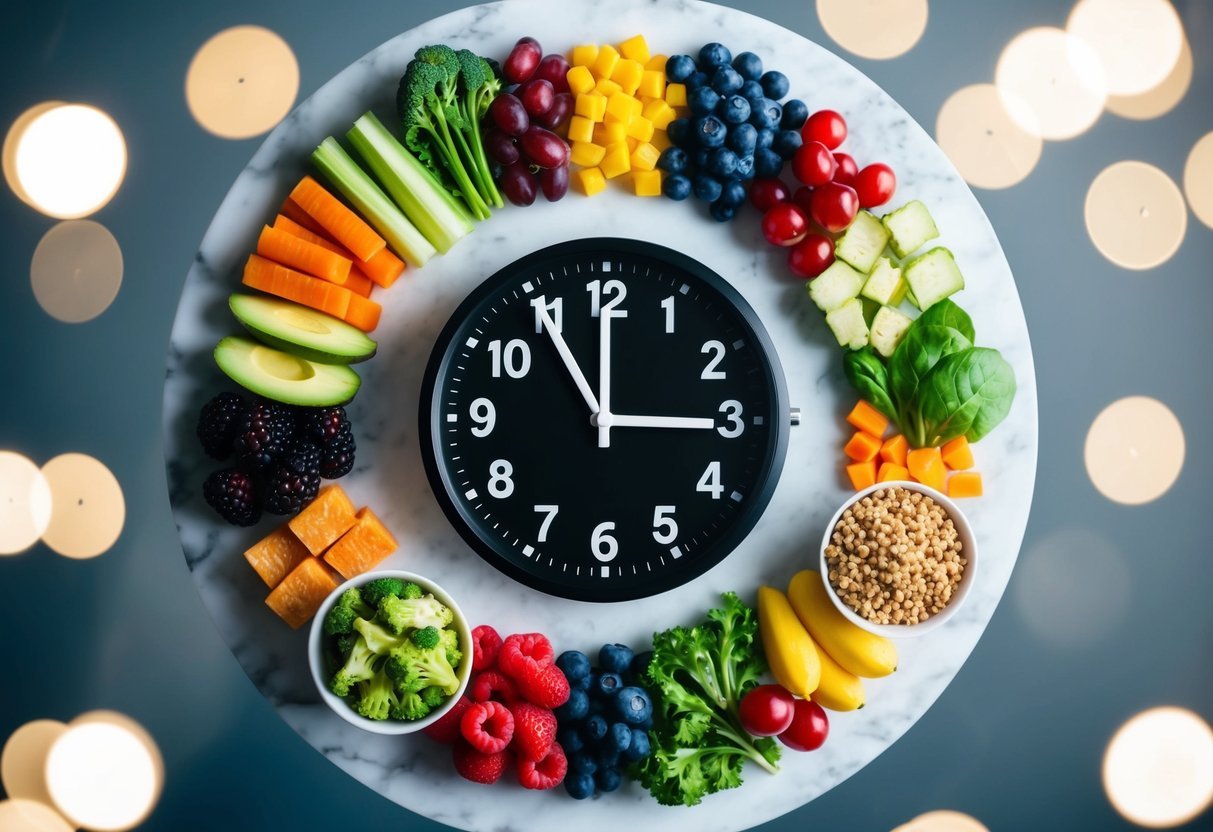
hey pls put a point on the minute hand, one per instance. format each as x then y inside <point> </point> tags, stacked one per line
<point>620,420</point>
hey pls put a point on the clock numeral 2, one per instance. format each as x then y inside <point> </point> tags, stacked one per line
<point>515,357</point>
<point>484,415</point>
<point>555,311</point>
<point>598,289</point>
<point>603,545</point>
<point>710,373</point>
<point>551,512</point>
<point>710,481</point>
<point>500,483</point>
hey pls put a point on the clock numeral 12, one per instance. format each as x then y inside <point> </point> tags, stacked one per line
<point>598,289</point>
<point>710,373</point>
<point>665,529</point>
<point>555,311</point>
<point>500,483</point>
<point>551,512</point>
<point>603,545</point>
<point>516,358</point>
<point>710,481</point>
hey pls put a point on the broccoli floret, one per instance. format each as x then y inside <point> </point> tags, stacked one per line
<point>425,637</point>
<point>359,666</point>
<point>375,591</point>
<point>412,590</point>
<point>403,613</point>
<point>450,643</point>
<point>345,642</point>
<point>414,668</point>
<point>377,697</point>
<point>433,696</point>
<point>340,618</point>
<point>379,640</point>
<point>411,706</point>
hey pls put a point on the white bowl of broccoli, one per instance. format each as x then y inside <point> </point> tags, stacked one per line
<point>390,652</point>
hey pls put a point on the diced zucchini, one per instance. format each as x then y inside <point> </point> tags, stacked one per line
<point>870,308</point>
<point>888,327</point>
<point>933,276</point>
<point>910,226</point>
<point>862,242</point>
<point>848,325</point>
<point>885,285</point>
<point>835,286</point>
<point>910,297</point>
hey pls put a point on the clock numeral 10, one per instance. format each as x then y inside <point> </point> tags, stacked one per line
<point>555,311</point>
<point>484,415</point>
<point>603,545</point>
<point>598,289</point>
<point>710,373</point>
<point>515,358</point>
<point>665,529</point>
<point>500,483</point>
<point>710,481</point>
<point>551,512</point>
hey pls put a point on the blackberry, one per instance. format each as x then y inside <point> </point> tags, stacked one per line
<point>337,457</point>
<point>293,483</point>
<point>218,421</point>
<point>265,436</point>
<point>322,425</point>
<point>233,494</point>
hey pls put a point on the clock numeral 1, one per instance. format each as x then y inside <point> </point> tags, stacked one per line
<point>603,545</point>
<point>710,373</point>
<point>551,512</point>
<point>516,358</point>
<point>665,529</point>
<point>668,306</point>
<point>598,289</point>
<point>555,311</point>
<point>484,415</point>
<point>710,481</point>
<point>732,412</point>
<point>500,483</point>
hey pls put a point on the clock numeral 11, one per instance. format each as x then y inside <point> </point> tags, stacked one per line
<point>555,311</point>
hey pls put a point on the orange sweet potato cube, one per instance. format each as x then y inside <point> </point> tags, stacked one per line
<point>966,484</point>
<point>889,471</point>
<point>275,555</point>
<point>926,466</point>
<point>862,447</point>
<point>868,419</point>
<point>894,450</point>
<point>301,593</point>
<point>957,454</point>
<point>862,474</point>
<point>324,519</point>
<point>362,547</point>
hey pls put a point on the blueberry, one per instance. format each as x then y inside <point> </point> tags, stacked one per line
<point>570,739</point>
<point>774,85</point>
<point>579,786</point>
<point>767,115</point>
<point>733,192</point>
<point>678,68</point>
<point>736,110</point>
<point>723,163</point>
<point>726,81</point>
<point>743,139</point>
<point>696,80</point>
<point>615,658</point>
<point>679,132</point>
<point>702,156</point>
<point>795,113</point>
<point>598,705</point>
<point>745,167</point>
<point>671,160</point>
<point>573,663</point>
<point>577,707</point>
<point>786,143</point>
<point>607,756</point>
<point>752,91</point>
<point>702,100</point>
<point>639,747</point>
<point>707,189</point>
<point>767,163</point>
<point>713,55</point>
<point>580,683</point>
<point>748,65</point>
<point>605,684</point>
<point>710,131</point>
<point>582,763</point>
<point>646,725</point>
<point>633,704</point>
<point>608,779</point>
<point>677,187</point>
<point>619,737</point>
<point>721,212</point>
<point>595,728</point>
<point>640,663</point>
<point>765,138</point>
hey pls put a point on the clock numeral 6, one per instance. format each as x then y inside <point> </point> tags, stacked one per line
<point>515,357</point>
<point>500,483</point>
<point>710,481</point>
<point>665,530</point>
<point>732,412</point>
<point>710,373</point>
<point>603,545</point>
<point>598,289</point>
<point>551,512</point>
<point>484,415</point>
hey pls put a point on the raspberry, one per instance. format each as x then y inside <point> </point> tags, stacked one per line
<point>233,494</point>
<point>485,644</point>
<point>546,773</point>
<point>217,423</point>
<point>534,731</point>
<point>264,436</point>
<point>446,729</point>
<point>294,482</point>
<point>492,684</point>
<point>547,688</point>
<point>480,767</point>
<point>488,726</point>
<point>524,654</point>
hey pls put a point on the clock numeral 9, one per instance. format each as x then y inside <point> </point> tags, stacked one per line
<point>515,357</point>
<point>710,481</point>
<point>555,311</point>
<point>732,412</point>
<point>598,289</point>
<point>551,512</point>
<point>484,415</point>
<point>665,529</point>
<point>710,373</point>
<point>603,545</point>
<point>500,483</point>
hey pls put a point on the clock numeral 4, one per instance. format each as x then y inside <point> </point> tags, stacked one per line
<point>665,529</point>
<point>515,358</point>
<point>501,484</point>
<point>668,306</point>
<point>710,481</point>
<point>555,311</point>
<point>716,349</point>
<point>551,512</point>
<point>603,545</point>
<point>598,290</point>
<point>732,412</point>
<point>484,415</point>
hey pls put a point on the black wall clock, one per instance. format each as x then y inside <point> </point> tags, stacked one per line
<point>604,419</point>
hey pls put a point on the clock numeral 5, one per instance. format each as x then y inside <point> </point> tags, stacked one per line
<point>710,373</point>
<point>515,357</point>
<point>732,412</point>
<point>598,289</point>
<point>484,415</point>
<point>555,311</point>
<point>500,483</point>
<point>665,529</point>
<point>551,512</point>
<point>710,481</point>
<point>603,545</point>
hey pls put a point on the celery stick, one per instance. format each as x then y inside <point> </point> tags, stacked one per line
<point>354,183</point>
<point>435,212</point>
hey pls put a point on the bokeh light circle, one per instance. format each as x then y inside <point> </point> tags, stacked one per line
<point>23,760</point>
<point>1135,215</point>
<point>1051,83</point>
<point>69,160</point>
<point>1138,41</point>
<point>986,145</point>
<point>12,138</point>
<point>242,82</point>
<point>1158,768</point>
<point>88,507</point>
<point>21,815</point>
<point>943,820</point>
<point>850,24</point>
<point>1161,98</point>
<point>76,270</point>
<point>1134,450</point>
<point>1198,179</point>
<point>25,503</point>
<point>102,777</point>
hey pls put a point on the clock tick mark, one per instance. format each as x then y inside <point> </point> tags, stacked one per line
<point>735,496</point>
<point>452,417</point>
<point>676,552</point>
<point>606,570</point>
<point>739,343</point>
<point>606,265</point>
<point>528,550</point>
<point>528,287</point>
<point>471,343</point>
<point>470,494</point>
<point>683,289</point>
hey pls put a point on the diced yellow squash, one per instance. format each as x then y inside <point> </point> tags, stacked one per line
<point>590,105</point>
<point>619,108</point>
<point>604,64</point>
<point>635,48</point>
<point>607,87</point>
<point>607,134</point>
<point>617,161</point>
<point>659,112</point>
<point>644,156</point>
<point>640,128</point>
<point>585,154</point>
<point>589,181</point>
<point>584,55</point>
<point>647,182</point>
<point>656,63</point>
<point>581,80</point>
<point>628,75</point>
<point>652,84</point>
<point>581,129</point>
<point>676,95</point>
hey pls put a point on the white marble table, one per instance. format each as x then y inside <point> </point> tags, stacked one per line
<point>416,773</point>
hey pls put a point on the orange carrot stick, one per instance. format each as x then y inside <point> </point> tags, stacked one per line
<point>309,258</point>
<point>289,284</point>
<point>359,283</point>
<point>384,268</point>
<point>363,313</point>
<point>300,218</point>
<point>336,218</point>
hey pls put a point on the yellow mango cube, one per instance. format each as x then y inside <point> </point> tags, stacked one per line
<point>606,87</point>
<point>647,182</point>
<point>581,80</point>
<point>590,105</point>
<point>640,128</point>
<point>652,84</point>
<point>584,55</point>
<point>628,74</point>
<point>656,63</point>
<point>589,181</point>
<point>619,108</point>
<point>659,112</point>
<point>676,95</point>
<point>609,133</point>
<point>586,154</point>
<point>616,162</point>
<point>635,48</point>
<point>604,64</point>
<point>581,129</point>
<point>661,140</point>
<point>632,144</point>
<point>644,156</point>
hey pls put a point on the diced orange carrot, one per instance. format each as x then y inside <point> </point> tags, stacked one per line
<point>926,466</point>
<point>862,447</point>
<point>957,454</point>
<point>289,284</point>
<point>866,418</point>
<point>337,219</point>
<point>362,547</point>
<point>307,257</point>
<point>889,471</point>
<point>275,555</point>
<point>324,519</point>
<point>358,282</point>
<point>862,474</point>
<point>895,449</point>
<point>301,593</point>
<point>384,268</point>
<point>964,484</point>
<point>363,313</point>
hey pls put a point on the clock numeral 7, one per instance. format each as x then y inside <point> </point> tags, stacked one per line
<point>710,481</point>
<point>598,289</point>
<point>551,512</point>
<point>515,357</point>
<point>603,545</point>
<point>555,311</point>
<point>710,373</point>
<point>665,529</point>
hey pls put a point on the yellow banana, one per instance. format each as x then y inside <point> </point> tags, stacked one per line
<point>856,650</point>
<point>837,689</point>
<point>793,657</point>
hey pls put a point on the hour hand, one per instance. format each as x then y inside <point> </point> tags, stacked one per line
<point>621,420</point>
<point>569,362</point>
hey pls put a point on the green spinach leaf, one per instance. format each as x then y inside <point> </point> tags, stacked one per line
<point>867,374</point>
<point>966,394</point>
<point>919,351</point>
<point>946,313</point>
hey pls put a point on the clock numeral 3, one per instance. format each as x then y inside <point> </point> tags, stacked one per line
<point>555,311</point>
<point>710,481</point>
<point>732,412</point>
<point>484,415</point>
<point>710,373</point>
<point>665,530</point>
<point>598,290</point>
<point>551,512</point>
<point>603,545</point>
<point>500,483</point>
<point>515,357</point>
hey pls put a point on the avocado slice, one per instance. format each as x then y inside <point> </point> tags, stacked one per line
<point>301,331</point>
<point>284,377</point>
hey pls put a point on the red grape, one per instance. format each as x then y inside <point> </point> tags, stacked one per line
<point>522,61</point>
<point>833,206</point>
<point>544,148</point>
<point>518,184</point>
<point>875,185</point>
<point>845,175</point>
<point>765,194</point>
<point>814,164</point>
<point>500,147</point>
<point>560,112</point>
<point>809,727</point>
<point>554,182</point>
<point>811,256</point>
<point>802,198</point>
<point>537,96</point>
<point>784,225</point>
<point>766,710</point>
<point>554,68</point>
<point>508,113</point>
<point>825,126</point>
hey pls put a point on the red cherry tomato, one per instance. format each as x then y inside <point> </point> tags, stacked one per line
<point>784,225</point>
<point>845,175</point>
<point>825,126</point>
<point>814,164</point>
<point>833,206</point>
<point>811,256</point>
<point>809,727</point>
<point>767,710</point>
<point>802,197</point>
<point>875,185</point>
<point>765,194</point>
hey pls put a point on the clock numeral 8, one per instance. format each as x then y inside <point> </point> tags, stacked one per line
<point>516,358</point>
<point>484,415</point>
<point>603,545</point>
<point>500,483</point>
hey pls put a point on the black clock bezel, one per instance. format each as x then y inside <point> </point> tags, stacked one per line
<point>467,524</point>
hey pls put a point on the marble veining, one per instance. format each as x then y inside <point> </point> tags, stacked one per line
<point>415,772</point>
